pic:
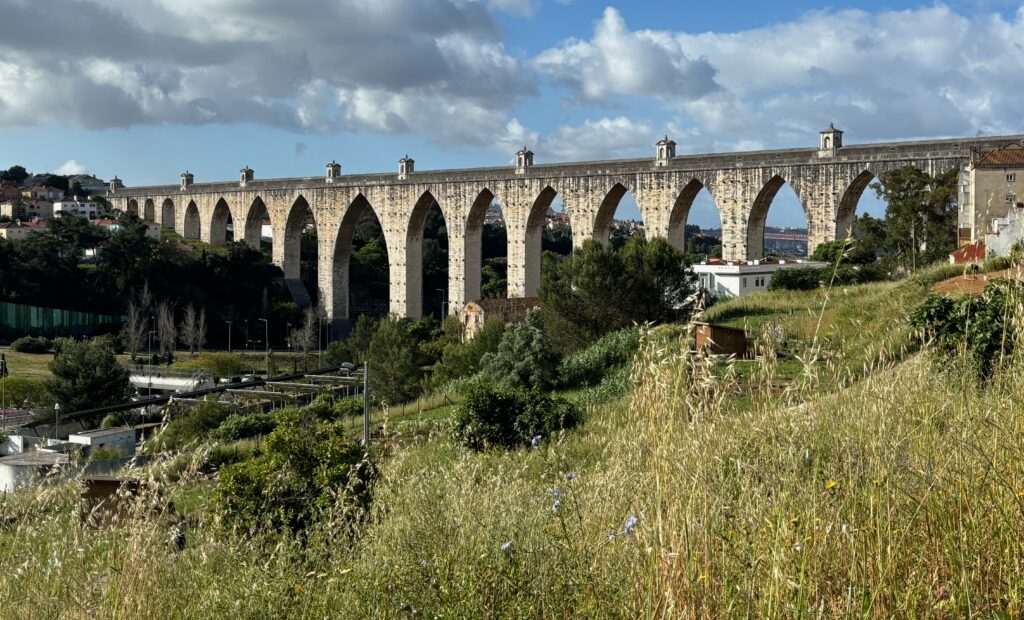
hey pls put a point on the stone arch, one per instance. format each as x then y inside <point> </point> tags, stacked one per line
<point>253,226</point>
<point>167,214</point>
<point>341,278</point>
<point>149,211</point>
<point>847,212</point>
<point>759,216</point>
<point>219,223</point>
<point>191,223</point>
<point>680,213</point>
<point>298,214</point>
<point>414,293</point>
<point>473,272</point>
<point>534,234</point>
<point>133,206</point>
<point>606,212</point>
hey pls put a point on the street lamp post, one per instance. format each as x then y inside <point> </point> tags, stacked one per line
<point>444,302</point>
<point>266,335</point>
<point>229,335</point>
<point>151,332</point>
<point>56,418</point>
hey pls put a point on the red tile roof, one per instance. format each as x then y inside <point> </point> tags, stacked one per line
<point>972,253</point>
<point>1012,155</point>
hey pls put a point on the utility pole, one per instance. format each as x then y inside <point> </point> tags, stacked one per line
<point>444,303</point>
<point>266,335</point>
<point>229,335</point>
<point>366,403</point>
<point>56,419</point>
<point>3,381</point>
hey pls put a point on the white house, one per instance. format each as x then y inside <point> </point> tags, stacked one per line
<point>120,439</point>
<point>19,470</point>
<point>76,206</point>
<point>738,278</point>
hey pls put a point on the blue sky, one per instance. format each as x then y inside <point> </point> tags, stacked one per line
<point>214,85</point>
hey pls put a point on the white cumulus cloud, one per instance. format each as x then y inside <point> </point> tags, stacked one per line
<point>71,167</point>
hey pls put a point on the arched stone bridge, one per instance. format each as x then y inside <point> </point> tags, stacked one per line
<point>828,180</point>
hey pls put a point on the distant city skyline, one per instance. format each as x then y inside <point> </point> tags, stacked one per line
<point>212,85</point>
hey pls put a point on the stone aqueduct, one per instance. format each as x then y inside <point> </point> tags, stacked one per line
<point>828,180</point>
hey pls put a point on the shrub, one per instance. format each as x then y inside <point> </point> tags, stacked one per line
<point>104,454</point>
<point>195,424</point>
<point>591,365</point>
<point>996,263</point>
<point>509,418</point>
<point>307,467</point>
<point>463,359</point>
<point>525,358</point>
<point>19,390</point>
<point>799,279</point>
<point>30,344</point>
<point>241,426</point>
<point>220,364</point>
<point>111,341</point>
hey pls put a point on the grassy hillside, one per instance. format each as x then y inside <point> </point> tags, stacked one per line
<point>900,495</point>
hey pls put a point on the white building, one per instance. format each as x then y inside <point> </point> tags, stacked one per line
<point>738,278</point>
<point>77,206</point>
<point>19,470</point>
<point>120,439</point>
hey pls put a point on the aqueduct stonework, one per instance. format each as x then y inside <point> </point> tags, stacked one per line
<point>828,180</point>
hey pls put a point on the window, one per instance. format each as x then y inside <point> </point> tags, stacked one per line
<point>744,283</point>
<point>1011,198</point>
<point>1011,177</point>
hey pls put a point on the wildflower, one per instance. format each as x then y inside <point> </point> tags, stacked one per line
<point>556,492</point>
<point>571,475</point>
<point>831,484</point>
<point>506,546</point>
<point>555,506</point>
<point>535,442</point>
<point>631,522</point>
<point>612,534</point>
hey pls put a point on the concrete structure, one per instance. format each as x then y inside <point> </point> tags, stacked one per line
<point>18,230</point>
<point>829,179</point>
<point>89,183</point>
<point>991,188</point>
<point>27,209</point>
<point>112,226</point>
<point>42,192</point>
<point>20,470</point>
<point>475,313</point>
<point>738,278</point>
<point>77,206</point>
<point>721,340</point>
<point>120,439</point>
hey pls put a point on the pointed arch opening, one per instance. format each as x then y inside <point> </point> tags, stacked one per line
<point>486,274</point>
<point>778,223</point>
<point>695,223</point>
<point>618,217</point>
<point>149,211</point>
<point>190,230</point>
<point>167,214</point>
<point>426,260</point>
<point>221,224</point>
<point>869,227</point>
<point>133,206</point>
<point>548,230</point>
<point>257,231</point>
<point>300,252</point>
<point>361,264</point>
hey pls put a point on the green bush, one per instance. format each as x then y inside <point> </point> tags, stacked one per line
<point>241,426</point>
<point>19,390</point>
<point>307,467</point>
<point>196,424</point>
<point>509,418</point>
<point>30,344</point>
<point>589,366</point>
<point>984,326</point>
<point>220,364</point>
<point>996,263</point>
<point>111,341</point>
<point>799,279</point>
<point>463,359</point>
<point>526,357</point>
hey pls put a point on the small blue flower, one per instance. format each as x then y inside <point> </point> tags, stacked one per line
<point>506,546</point>
<point>571,475</point>
<point>555,506</point>
<point>611,535</point>
<point>535,442</point>
<point>630,524</point>
<point>556,492</point>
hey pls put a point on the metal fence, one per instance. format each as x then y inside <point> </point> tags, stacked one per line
<point>21,320</point>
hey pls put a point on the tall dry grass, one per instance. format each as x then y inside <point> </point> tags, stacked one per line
<point>896,493</point>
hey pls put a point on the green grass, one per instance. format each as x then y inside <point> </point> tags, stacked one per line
<point>29,365</point>
<point>897,491</point>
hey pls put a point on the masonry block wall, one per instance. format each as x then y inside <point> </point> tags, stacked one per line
<point>743,185</point>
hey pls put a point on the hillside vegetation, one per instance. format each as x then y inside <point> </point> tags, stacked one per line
<point>871,483</point>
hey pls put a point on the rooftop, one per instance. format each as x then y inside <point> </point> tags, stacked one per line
<point>35,458</point>
<point>105,432</point>
<point>1012,155</point>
